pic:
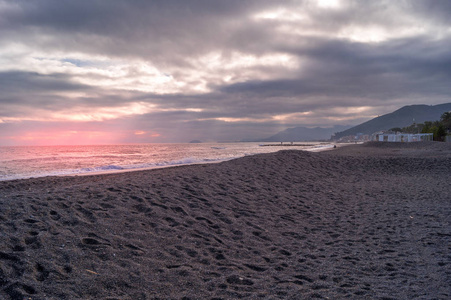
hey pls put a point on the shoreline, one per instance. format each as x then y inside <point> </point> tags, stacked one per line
<point>315,149</point>
<point>362,221</point>
<point>126,170</point>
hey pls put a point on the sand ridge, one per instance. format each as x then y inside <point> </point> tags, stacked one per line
<point>357,222</point>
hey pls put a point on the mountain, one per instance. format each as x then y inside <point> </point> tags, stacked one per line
<point>298,134</point>
<point>403,117</point>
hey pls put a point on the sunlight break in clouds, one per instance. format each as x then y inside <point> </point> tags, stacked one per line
<point>377,34</point>
<point>329,3</point>
<point>87,114</point>
<point>102,113</point>
<point>292,117</point>
<point>219,68</point>
<point>280,14</point>
<point>102,72</point>
<point>348,113</point>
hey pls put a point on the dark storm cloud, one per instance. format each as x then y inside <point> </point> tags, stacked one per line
<point>14,82</point>
<point>160,28</point>
<point>347,70</point>
<point>21,93</point>
<point>439,9</point>
<point>152,29</point>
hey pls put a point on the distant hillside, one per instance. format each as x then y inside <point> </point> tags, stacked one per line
<point>298,134</point>
<point>402,117</point>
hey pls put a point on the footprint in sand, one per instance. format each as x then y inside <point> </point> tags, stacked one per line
<point>41,272</point>
<point>237,280</point>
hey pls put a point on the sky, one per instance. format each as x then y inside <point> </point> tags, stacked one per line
<point>151,71</point>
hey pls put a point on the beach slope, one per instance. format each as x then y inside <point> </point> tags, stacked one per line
<point>365,221</point>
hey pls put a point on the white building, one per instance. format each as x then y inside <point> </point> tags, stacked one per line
<point>404,137</point>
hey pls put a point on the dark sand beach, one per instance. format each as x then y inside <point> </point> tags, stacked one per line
<point>369,221</point>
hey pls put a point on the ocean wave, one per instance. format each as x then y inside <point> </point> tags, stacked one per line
<point>113,168</point>
<point>102,168</point>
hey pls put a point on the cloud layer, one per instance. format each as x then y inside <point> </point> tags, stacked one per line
<point>172,71</point>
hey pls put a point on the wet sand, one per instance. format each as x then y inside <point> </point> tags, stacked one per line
<point>369,221</point>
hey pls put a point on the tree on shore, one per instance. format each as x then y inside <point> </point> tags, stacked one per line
<point>445,119</point>
<point>439,128</point>
<point>439,133</point>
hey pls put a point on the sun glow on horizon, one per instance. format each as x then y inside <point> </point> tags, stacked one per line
<point>147,133</point>
<point>64,137</point>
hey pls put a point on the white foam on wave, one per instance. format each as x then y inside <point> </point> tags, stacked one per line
<point>102,168</point>
<point>116,169</point>
<point>148,166</point>
<point>321,148</point>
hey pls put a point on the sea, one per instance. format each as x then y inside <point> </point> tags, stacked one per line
<point>21,162</point>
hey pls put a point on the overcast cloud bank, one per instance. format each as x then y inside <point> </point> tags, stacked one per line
<point>173,71</point>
